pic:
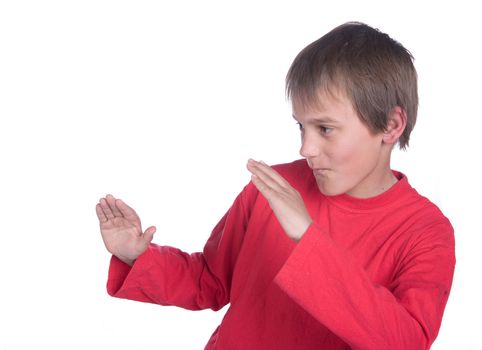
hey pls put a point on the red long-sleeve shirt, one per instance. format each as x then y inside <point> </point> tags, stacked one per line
<point>368,273</point>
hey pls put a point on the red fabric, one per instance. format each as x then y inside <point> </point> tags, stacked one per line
<point>368,273</point>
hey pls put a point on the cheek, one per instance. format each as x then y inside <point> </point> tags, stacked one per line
<point>342,154</point>
<point>352,156</point>
<point>364,155</point>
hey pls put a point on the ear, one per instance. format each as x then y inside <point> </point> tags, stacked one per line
<point>396,125</point>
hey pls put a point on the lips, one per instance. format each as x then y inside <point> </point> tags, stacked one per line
<point>319,170</point>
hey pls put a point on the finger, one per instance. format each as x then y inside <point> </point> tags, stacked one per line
<point>260,168</point>
<point>264,184</point>
<point>267,175</point>
<point>111,201</point>
<point>149,234</point>
<point>106,208</point>
<point>125,210</point>
<point>100,213</point>
<point>273,173</point>
<point>261,186</point>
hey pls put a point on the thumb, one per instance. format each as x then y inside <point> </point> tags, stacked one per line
<point>149,234</point>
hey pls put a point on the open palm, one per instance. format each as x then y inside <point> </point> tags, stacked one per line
<point>121,229</point>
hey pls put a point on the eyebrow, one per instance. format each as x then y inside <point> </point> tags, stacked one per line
<point>320,120</point>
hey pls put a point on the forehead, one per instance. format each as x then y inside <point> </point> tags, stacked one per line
<point>326,104</point>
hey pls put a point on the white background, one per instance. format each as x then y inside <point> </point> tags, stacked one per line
<point>162,105</point>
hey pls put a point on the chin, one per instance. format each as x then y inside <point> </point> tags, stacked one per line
<point>329,191</point>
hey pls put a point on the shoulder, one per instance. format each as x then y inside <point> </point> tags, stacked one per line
<point>296,165</point>
<point>422,203</point>
<point>426,216</point>
<point>297,173</point>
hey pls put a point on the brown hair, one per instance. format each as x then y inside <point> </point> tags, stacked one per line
<point>374,71</point>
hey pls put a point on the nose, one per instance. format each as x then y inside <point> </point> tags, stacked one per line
<point>310,146</point>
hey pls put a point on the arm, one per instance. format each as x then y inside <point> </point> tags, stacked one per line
<point>342,297</point>
<point>169,276</point>
<point>406,315</point>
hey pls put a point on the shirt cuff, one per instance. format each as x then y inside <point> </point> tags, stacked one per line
<point>299,267</point>
<point>120,272</point>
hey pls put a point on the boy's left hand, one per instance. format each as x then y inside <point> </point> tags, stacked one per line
<point>285,201</point>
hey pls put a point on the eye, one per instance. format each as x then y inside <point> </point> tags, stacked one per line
<point>300,126</point>
<point>325,130</point>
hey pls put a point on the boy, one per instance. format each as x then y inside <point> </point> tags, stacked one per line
<point>334,251</point>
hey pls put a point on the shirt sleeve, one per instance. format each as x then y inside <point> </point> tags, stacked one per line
<point>329,284</point>
<point>168,276</point>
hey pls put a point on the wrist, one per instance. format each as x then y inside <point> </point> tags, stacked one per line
<point>301,230</point>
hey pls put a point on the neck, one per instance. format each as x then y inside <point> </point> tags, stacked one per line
<point>380,180</point>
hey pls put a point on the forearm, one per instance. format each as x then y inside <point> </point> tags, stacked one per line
<point>166,276</point>
<point>332,286</point>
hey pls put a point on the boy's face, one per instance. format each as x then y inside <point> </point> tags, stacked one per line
<point>345,155</point>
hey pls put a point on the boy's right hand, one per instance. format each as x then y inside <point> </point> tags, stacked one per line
<point>121,229</point>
